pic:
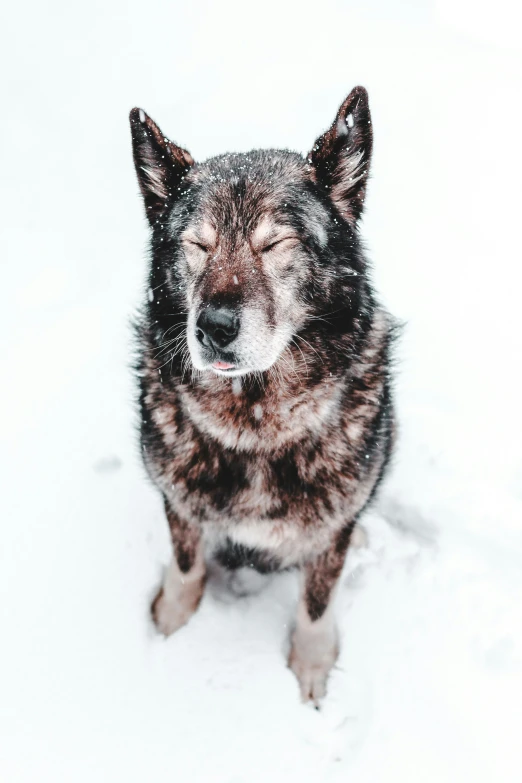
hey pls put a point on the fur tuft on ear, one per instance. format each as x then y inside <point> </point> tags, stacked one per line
<point>341,157</point>
<point>160,164</point>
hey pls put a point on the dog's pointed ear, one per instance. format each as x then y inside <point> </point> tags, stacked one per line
<point>340,157</point>
<point>160,164</point>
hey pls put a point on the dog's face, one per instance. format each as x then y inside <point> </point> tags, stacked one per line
<point>243,273</point>
<point>247,245</point>
<point>246,256</point>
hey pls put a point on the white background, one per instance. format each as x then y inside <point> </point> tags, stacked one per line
<point>429,683</point>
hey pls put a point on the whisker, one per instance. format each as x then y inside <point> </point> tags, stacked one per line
<point>175,326</point>
<point>310,346</point>
<point>302,354</point>
<point>179,312</point>
<point>165,346</point>
<point>287,364</point>
<point>323,317</point>
<point>185,363</point>
<point>164,363</point>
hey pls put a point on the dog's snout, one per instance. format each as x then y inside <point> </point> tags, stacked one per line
<point>217,326</point>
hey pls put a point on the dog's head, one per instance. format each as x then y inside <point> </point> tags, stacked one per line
<point>250,248</point>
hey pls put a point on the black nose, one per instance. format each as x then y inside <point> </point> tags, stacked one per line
<point>217,326</point>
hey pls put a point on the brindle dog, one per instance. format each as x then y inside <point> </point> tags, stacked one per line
<point>266,401</point>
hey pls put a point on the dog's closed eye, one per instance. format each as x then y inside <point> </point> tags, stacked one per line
<point>192,243</point>
<point>196,253</point>
<point>278,242</point>
<point>199,245</point>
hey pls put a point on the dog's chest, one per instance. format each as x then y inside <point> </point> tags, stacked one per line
<point>287,503</point>
<point>280,461</point>
<point>219,483</point>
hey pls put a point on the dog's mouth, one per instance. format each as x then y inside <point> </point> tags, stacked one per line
<point>222,363</point>
<point>223,366</point>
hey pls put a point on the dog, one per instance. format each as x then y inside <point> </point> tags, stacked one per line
<point>264,369</point>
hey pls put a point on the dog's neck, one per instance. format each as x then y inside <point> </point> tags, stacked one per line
<point>264,414</point>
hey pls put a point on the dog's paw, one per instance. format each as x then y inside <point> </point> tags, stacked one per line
<point>312,679</point>
<point>312,667</point>
<point>172,612</point>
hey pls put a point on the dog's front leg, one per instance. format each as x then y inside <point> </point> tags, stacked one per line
<point>315,645</point>
<point>184,581</point>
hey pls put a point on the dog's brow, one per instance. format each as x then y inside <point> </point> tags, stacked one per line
<point>267,231</point>
<point>201,232</point>
<point>263,231</point>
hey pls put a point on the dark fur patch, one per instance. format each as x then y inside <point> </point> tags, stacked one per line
<point>322,574</point>
<point>232,555</point>
<point>185,538</point>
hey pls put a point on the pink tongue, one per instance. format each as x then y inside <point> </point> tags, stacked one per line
<point>222,366</point>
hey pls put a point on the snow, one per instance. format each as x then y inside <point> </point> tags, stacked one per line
<point>429,682</point>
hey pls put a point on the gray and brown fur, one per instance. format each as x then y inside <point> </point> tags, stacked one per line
<point>268,463</point>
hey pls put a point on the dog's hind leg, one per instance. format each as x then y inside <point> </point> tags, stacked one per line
<point>315,644</point>
<point>184,581</point>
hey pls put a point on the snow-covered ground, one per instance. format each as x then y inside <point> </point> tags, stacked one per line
<point>429,682</point>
